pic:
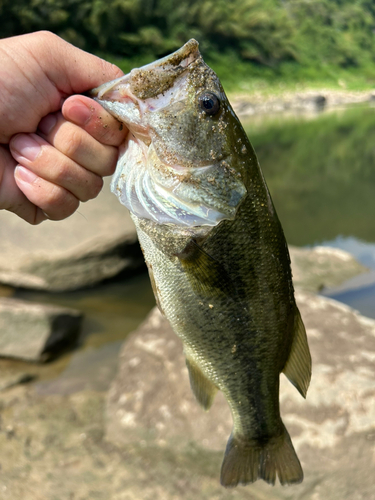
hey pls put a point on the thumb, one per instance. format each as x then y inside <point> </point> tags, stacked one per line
<point>70,69</point>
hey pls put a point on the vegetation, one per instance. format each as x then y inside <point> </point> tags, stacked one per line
<point>265,39</point>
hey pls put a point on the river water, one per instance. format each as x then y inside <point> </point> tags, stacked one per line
<point>321,175</point>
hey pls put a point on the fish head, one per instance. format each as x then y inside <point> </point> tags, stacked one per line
<point>182,162</point>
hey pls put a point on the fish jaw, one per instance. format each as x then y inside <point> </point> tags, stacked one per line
<point>148,88</point>
<point>158,176</point>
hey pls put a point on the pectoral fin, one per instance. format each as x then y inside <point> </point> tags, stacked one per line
<point>204,390</point>
<point>207,276</point>
<point>298,366</point>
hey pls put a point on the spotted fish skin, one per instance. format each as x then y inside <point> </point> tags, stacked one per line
<point>216,253</point>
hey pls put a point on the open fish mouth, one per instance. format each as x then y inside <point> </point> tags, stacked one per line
<point>155,178</point>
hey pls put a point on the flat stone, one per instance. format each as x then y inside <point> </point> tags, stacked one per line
<point>8,380</point>
<point>320,267</point>
<point>150,400</point>
<point>33,331</point>
<point>95,243</point>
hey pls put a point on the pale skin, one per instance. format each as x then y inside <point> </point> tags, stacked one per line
<point>55,146</point>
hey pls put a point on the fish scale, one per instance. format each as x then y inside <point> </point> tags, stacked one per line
<point>216,253</point>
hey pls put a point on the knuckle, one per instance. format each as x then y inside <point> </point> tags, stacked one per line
<point>70,144</point>
<point>61,173</point>
<point>60,204</point>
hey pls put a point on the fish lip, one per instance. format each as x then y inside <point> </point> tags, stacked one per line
<point>98,92</point>
<point>122,99</point>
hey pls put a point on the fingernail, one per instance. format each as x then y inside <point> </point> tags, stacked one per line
<point>47,123</point>
<point>24,174</point>
<point>26,146</point>
<point>79,113</point>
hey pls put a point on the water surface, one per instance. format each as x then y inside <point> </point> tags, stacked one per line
<point>321,175</point>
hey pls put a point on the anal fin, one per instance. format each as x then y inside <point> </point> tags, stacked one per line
<point>298,366</point>
<point>204,390</point>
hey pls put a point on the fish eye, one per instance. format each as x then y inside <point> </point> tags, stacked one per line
<point>209,103</point>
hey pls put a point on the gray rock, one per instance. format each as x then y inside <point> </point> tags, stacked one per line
<point>8,380</point>
<point>95,243</point>
<point>32,331</point>
<point>299,102</point>
<point>150,401</point>
<point>323,267</point>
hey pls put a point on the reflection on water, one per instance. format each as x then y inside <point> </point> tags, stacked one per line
<point>363,251</point>
<point>358,292</point>
<point>320,200</point>
<point>321,174</point>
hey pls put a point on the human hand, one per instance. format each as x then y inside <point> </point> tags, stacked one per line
<point>72,149</point>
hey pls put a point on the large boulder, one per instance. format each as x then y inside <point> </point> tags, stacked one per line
<point>150,400</point>
<point>95,243</point>
<point>318,268</point>
<point>33,332</point>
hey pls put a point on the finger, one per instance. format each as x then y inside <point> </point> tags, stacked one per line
<point>93,118</point>
<point>46,162</point>
<point>55,201</point>
<point>11,197</point>
<point>78,145</point>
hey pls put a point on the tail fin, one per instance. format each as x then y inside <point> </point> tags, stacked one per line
<point>245,462</point>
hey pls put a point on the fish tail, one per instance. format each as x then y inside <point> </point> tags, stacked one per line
<point>246,461</point>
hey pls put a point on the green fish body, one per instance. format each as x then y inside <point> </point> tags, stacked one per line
<point>216,253</point>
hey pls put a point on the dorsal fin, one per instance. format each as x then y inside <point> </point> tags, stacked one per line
<point>204,390</point>
<point>298,366</point>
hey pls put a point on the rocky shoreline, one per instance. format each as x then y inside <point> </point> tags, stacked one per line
<point>299,102</point>
<point>139,434</point>
<point>147,439</point>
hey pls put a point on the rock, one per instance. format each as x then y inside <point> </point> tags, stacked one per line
<point>33,331</point>
<point>88,369</point>
<point>305,101</point>
<point>333,431</point>
<point>322,267</point>
<point>8,380</point>
<point>320,102</point>
<point>95,243</point>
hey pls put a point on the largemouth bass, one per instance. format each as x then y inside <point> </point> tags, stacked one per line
<point>215,251</point>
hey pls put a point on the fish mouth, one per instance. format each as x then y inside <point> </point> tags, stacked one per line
<point>151,186</point>
<point>147,89</point>
<point>154,78</point>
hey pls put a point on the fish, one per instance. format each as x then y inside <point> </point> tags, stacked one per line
<point>216,253</point>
